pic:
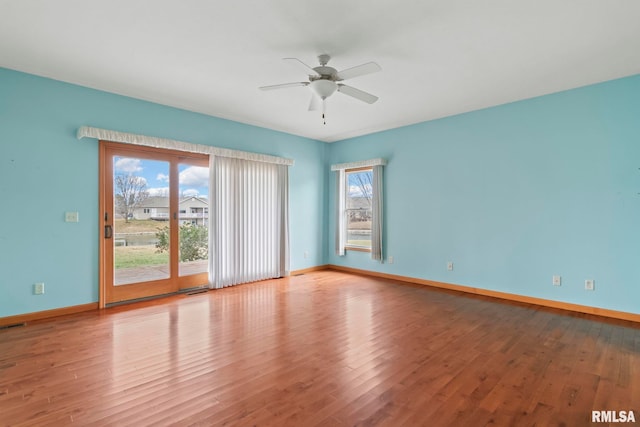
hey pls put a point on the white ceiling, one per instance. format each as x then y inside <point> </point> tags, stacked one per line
<point>438,57</point>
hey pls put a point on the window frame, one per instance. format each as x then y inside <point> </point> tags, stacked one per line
<point>347,246</point>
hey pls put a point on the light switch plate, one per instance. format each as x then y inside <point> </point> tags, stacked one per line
<point>38,288</point>
<point>71,217</point>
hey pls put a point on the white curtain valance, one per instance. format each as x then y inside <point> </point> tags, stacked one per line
<point>360,164</point>
<point>151,141</point>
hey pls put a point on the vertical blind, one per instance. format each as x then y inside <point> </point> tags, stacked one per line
<point>377,205</point>
<point>341,219</point>
<point>248,230</point>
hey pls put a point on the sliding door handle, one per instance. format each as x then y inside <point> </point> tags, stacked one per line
<point>108,232</point>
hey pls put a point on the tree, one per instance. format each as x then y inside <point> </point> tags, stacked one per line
<point>359,200</point>
<point>364,181</point>
<point>131,191</point>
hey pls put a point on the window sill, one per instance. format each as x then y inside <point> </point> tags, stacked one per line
<point>357,248</point>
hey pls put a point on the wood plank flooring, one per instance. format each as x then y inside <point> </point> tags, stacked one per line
<point>323,349</point>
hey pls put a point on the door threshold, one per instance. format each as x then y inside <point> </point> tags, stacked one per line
<point>133,301</point>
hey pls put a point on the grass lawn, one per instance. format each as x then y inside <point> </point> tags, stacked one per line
<point>359,242</point>
<point>137,256</point>
<point>359,225</point>
<point>137,225</point>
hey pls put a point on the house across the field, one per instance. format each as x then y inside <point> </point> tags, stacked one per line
<point>194,210</point>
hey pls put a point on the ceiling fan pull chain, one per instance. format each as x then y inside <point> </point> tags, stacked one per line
<point>324,108</point>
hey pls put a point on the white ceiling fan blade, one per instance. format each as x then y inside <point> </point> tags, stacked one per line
<point>284,85</point>
<point>360,70</point>
<point>357,94</point>
<point>301,65</point>
<point>314,104</point>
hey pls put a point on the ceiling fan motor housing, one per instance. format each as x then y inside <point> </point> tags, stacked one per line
<point>328,73</point>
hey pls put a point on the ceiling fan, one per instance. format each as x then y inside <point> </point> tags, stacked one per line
<point>325,80</point>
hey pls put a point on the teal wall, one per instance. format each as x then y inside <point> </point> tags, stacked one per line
<point>515,194</point>
<point>45,171</point>
<point>512,194</point>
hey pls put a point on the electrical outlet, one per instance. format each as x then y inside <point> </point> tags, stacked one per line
<point>306,254</point>
<point>389,260</point>
<point>38,288</point>
<point>589,284</point>
<point>557,280</point>
<point>450,266</point>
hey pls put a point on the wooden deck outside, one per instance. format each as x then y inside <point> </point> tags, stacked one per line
<point>321,349</point>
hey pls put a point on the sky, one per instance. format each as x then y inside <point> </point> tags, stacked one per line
<point>360,184</point>
<point>194,180</point>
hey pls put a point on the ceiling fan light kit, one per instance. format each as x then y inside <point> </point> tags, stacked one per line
<point>323,88</point>
<point>323,81</point>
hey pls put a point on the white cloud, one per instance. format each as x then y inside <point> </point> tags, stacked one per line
<point>357,191</point>
<point>127,165</point>
<point>158,192</point>
<point>195,176</point>
<point>162,177</point>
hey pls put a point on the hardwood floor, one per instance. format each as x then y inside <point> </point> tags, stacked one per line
<point>322,349</point>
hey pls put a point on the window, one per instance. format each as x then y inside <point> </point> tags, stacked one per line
<point>358,208</point>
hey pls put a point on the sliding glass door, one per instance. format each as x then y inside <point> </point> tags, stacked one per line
<point>154,209</point>
<point>137,215</point>
<point>193,212</point>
